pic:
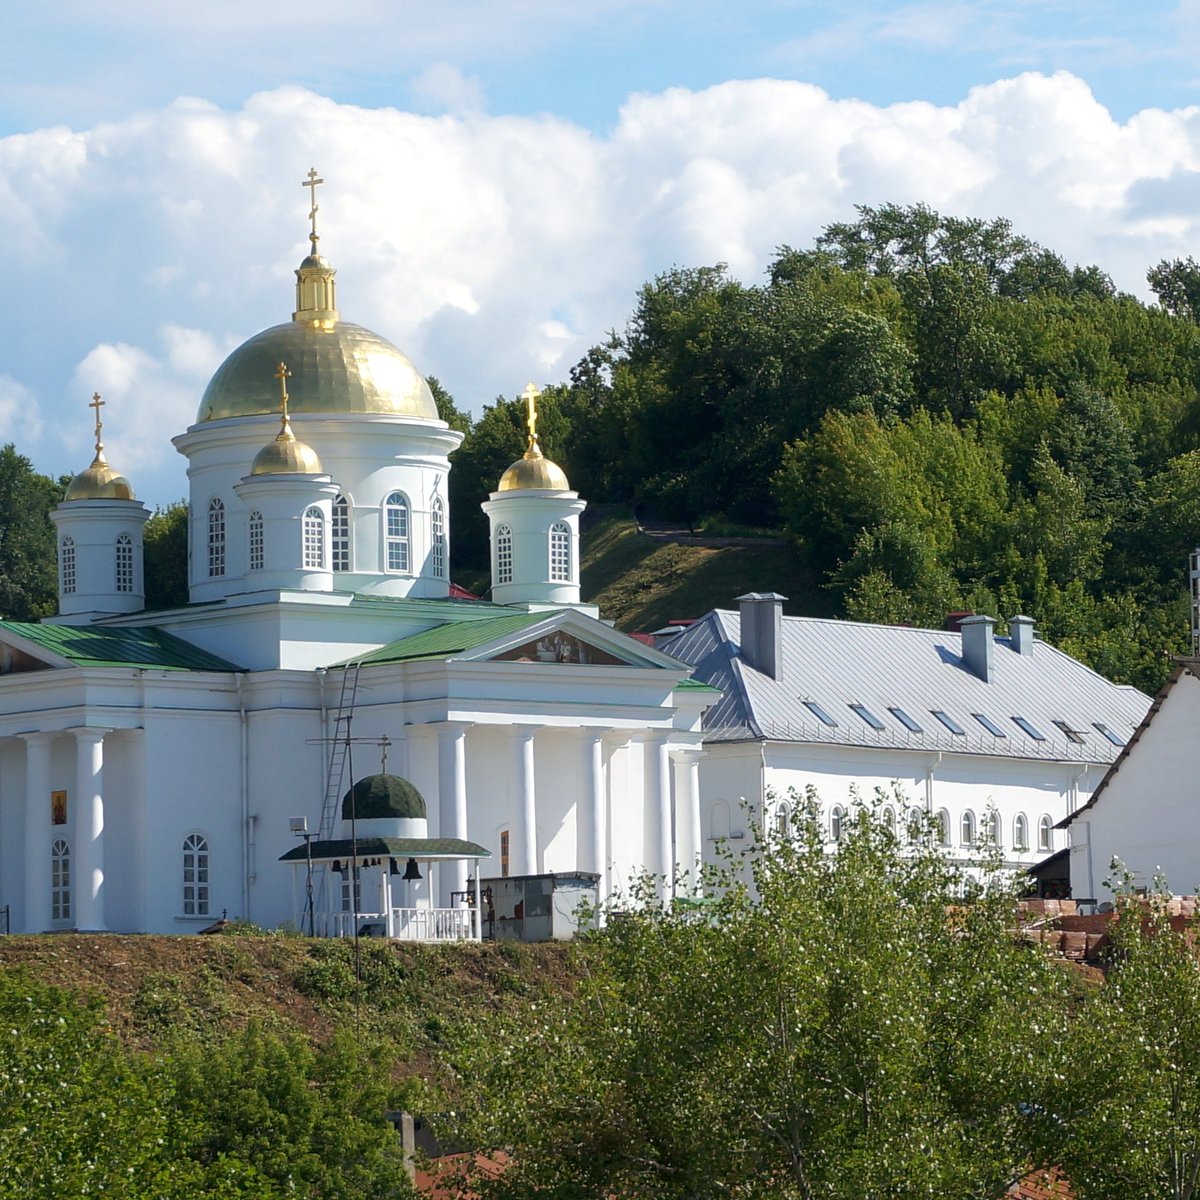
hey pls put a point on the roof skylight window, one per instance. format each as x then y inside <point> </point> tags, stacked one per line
<point>906,720</point>
<point>1073,735</point>
<point>989,725</point>
<point>947,720</point>
<point>1108,733</point>
<point>868,716</point>
<point>821,715</point>
<point>1025,727</point>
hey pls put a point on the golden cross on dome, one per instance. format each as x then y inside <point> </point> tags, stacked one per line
<point>282,373</point>
<point>531,394</point>
<point>97,404</point>
<point>311,183</point>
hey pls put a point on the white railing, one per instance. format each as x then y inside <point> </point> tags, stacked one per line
<point>407,924</point>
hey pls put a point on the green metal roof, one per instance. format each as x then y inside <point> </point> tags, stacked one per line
<point>694,685</point>
<point>128,646</point>
<point>455,637</point>
<point>387,847</point>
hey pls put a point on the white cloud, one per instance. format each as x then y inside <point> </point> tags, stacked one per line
<point>442,87</point>
<point>20,414</point>
<point>493,248</point>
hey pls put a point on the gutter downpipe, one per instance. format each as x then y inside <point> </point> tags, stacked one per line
<point>322,672</point>
<point>929,770</point>
<point>239,678</point>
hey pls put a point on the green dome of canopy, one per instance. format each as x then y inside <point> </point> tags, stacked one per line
<point>383,796</point>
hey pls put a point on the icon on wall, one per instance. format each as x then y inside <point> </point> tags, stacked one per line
<point>58,808</point>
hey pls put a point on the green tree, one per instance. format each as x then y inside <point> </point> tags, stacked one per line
<point>1128,1115</point>
<point>1176,283</point>
<point>165,550</point>
<point>857,1028</point>
<point>28,558</point>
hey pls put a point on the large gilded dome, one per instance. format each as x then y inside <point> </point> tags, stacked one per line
<point>335,368</point>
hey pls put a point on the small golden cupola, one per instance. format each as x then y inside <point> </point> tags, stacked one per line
<point>286,455</point>
<point>99,481</point>
<point>533,470</point>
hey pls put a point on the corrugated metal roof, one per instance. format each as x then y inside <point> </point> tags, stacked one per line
<point>117,646</point>
<point>841,663</point>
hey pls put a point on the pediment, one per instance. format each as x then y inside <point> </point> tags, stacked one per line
<point>559,646</point>
<point>15,661</point>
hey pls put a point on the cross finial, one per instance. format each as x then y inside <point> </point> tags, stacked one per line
<point>282,374</point>
<point>311,183</point>
<point>98,404</point>
<point>384,743</point>
<point>531,394</point>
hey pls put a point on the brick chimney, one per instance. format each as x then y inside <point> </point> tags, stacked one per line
<point>977,646</point>
<point>762,632</point>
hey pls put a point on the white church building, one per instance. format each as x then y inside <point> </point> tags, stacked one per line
<point>155,766</point>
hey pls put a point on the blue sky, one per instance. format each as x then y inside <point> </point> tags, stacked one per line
<point>503,175</point>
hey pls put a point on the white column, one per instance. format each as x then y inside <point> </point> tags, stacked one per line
<point>38,831</point>
<point>88,851</point>
<point>659,858</point>
<point>689,834</point>
<point>452,800</point>
<point>527,847</point>
<point>592,816</point>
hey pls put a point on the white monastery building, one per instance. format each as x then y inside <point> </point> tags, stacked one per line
<point>1144,811</point>
<point>997,739</point>
<point>155,766</point>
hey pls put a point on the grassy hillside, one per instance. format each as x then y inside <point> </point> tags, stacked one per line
<point>641,581</point>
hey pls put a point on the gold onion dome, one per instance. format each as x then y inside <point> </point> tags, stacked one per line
<point>533,470</point>
<point>336,367</point>
<point>286,455</point>
<point>99,481</point>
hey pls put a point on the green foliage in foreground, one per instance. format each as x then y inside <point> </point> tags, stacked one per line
<point>257,1115</point>
<point>847,1026</point>
<point>871,1026</point>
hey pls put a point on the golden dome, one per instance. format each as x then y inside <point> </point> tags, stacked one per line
<point>338,369</point>
<point>533,471</point>
<point>286,456</point>
<point>99,482</point>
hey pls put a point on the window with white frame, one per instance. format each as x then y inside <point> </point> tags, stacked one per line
<point>889,820</point>
<point>66,565</point>
<point>397,552</point>
<point>60,881</point>
<point>195,875</point>
<point>340,534</point>
<point>256,541</point>
<point>783,820</point>
<point>438,555</point>
<point>124,563</point>
<point>504,554</point>
<point>943,827</point>
<point>314,538</point>
<point>966,828</point>
<point>837,822</point>
<point>914,825</point>
<point>560,552</point>
<point>347,875</point>
<point>216,537</point>
<point>992,826</point>
<point>1045,832</point>
<point>1021,832</point>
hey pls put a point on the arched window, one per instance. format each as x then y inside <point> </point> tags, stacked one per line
<point>943,827</point>
<point>216,537</point>
<point>837,821</point>
<point>966,828</point>
<point>1045,832</point>
<point>124,563</point>
<point>195,875</point>
<point>340,533</point>
<point>66,565</point>
<point>438,555</point>
<point>504,554</point>
<point>782,820</point>
<point>60,881</point>
<point>256,541</point>
<point>396,547</point>
<point>1020,832</point>
<point>995,832</point>
<point>560,552</point>
<point>889,820</point>
<point>914,825</point>
<point>314,538</point>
